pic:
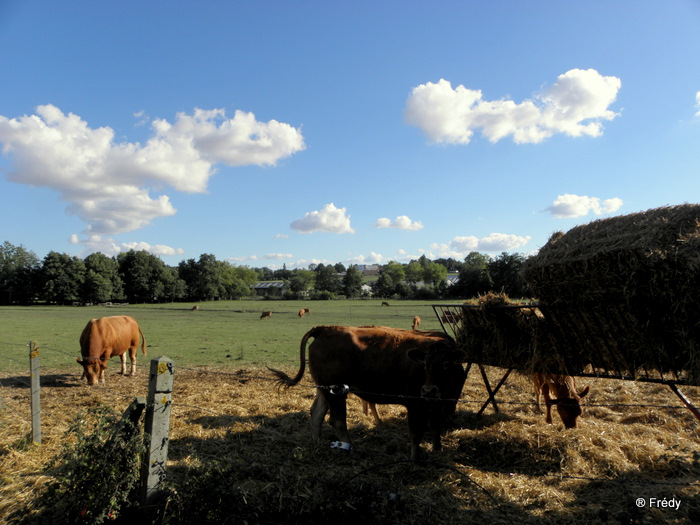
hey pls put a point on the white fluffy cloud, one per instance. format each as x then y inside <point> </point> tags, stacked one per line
<point>568,206</point>
<point>402,222</point>
<point>372,258</point>
<point>107,246</point>
<point>574,105</point>
<point>492,243</point>
<point>461,246</point>
<point>330,219</point>
<point>107,183</point>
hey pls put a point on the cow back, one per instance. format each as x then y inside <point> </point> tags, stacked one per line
<point>109,336</point>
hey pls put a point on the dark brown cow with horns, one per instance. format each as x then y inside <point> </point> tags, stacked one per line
<point>420,370</point>
<point>109,337</point>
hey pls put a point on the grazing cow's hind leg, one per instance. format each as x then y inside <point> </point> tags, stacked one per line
<point>319,408</point>
<point>338,417</point>
<point>123,358</point>
<point>132,357</point>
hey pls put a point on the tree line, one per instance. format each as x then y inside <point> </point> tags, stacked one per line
<point>141,277</point>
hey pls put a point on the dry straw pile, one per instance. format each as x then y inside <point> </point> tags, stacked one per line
<point>496,331</point>
<point>618,294</point>
<point>623,292</point>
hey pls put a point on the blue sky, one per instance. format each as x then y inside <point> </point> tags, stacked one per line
<point>271,132</point>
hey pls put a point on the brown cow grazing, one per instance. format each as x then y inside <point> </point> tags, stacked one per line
<point>419,370</point>
<point>568,400</point>
<point>109,337</point>
<point>416,322</point>
<point>266,315</point>
<point>195,308</point>
<point>384,303</point>
<point>302,312</point>
<point>368,407</point>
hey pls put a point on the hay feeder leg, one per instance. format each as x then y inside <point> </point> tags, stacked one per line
<point>492,393</point>
<point>685,400</point>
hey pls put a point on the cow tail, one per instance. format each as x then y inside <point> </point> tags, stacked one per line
<point>143,341</point>
<point>282,378</point>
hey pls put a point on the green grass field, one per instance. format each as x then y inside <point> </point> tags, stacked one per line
<point>221,333</point>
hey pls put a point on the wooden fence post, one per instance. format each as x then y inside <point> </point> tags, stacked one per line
<point>34,376</point>
<point>156,430</point>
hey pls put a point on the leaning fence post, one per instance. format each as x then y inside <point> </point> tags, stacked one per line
<point>157,427</point>
<point>36,391</point>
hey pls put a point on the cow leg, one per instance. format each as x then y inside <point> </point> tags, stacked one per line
<point>338,417</point>
<point>416,428</point>
<point>548,402</point>
<point>319,408</point>
<point>123,359</point>
<point>132,358</point>
<point>436,431</point>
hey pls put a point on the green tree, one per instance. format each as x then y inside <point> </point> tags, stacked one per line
<point>395,271</point>
<point>63,277</point>
<point>102,280</point>
<point>505,272</point>
<point>301,282</point>
<point>327,279</point>
<point>238,280</point>
<point>19,270</point>
<point>414,273</point>
<point>352,282</point>
<point>384,286</point>
<point>145,276</point>
<point>434,274</point>
<point>474,277</point>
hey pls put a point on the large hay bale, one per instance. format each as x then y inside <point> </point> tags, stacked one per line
<point>622,293</point>
<point>499,332</point>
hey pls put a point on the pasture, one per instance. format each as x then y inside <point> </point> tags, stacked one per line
<point>240,450</point>
<point>207,336</point>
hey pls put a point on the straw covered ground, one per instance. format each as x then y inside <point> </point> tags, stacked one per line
<point>240,451</point>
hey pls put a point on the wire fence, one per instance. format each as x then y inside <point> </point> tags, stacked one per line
<point>14,404</point>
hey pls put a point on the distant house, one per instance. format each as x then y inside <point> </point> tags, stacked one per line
<point>368,269</point>
<point>270,288</point>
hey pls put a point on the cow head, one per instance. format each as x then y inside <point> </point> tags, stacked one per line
<point>569,408</point>
<point>93,369</point>
<point>444,374</point>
